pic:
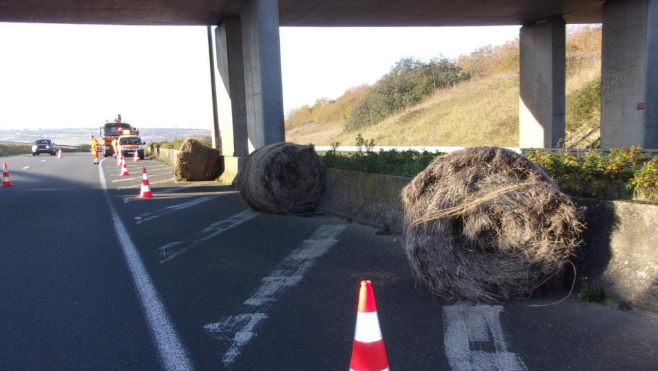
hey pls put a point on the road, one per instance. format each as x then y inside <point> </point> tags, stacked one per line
<point>93,279</point>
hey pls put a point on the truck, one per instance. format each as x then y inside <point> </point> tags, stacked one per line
<point>112,130</point>
<point>131,145</point>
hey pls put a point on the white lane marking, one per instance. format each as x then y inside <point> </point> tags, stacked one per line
<point>43,160</point>
<point>166,190</point>
<point>172,353</point>
<point>170,209</point>
<point>168,180</point>
<point>240,329</point>
<point>126,179</point>
<point>171,250</point>
<point>25,167</point>
<point>467,330</point>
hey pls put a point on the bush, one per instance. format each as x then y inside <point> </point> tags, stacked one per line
<point>406,84</point>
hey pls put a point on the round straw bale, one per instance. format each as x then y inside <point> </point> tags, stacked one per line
<point>486,224</point>
<point>282,178</point>
<point>197,162</point>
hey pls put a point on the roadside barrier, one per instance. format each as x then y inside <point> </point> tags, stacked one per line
<point>368,352</point>
<point>5,176</point>
<point>124,168</point>
<point>146,188</point>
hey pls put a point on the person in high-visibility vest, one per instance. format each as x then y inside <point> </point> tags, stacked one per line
<point>115,146</point>
<point>94,153</point>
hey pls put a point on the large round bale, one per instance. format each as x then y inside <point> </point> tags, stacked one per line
<point>486,224</point>
<point>282,178</point>
<point>197,162</point>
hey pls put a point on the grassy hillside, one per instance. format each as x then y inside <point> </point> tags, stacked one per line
<point>482,111</point>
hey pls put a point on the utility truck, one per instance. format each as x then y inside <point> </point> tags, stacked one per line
<point>112,130</point>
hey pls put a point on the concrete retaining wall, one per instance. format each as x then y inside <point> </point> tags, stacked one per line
<point>164,155</point>
<point>620,250</point>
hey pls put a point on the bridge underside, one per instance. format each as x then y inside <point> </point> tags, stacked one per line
<point>338,13</point>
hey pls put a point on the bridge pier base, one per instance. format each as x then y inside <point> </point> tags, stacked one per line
<point>542,75</point>
<point>629,76</point>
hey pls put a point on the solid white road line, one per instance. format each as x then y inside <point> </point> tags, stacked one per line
<point>240,329</point>
<point>468,327</point>
<point>172,353</point>
<point>25,167</point>
<point>170,209</point>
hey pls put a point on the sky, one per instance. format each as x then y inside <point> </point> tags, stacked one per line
<point>67,76</point>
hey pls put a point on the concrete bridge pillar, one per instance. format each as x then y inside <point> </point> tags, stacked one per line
<point>262,72</point>
<point>542,74</point>
<point>250,93</point>
<point>629,77</point>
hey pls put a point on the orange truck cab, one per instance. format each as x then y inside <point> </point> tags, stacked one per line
<point>112,130</point>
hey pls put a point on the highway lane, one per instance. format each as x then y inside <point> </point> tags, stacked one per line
<point>251,291</point>
<point>67,300</point>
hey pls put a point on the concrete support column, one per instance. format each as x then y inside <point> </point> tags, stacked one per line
<point>629,76</point>
<point>262,72</point>
<point>216,142</point>
<point>231,95</point>
<point>542,74</point>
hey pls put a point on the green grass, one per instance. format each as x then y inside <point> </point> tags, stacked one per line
<point>14,149</point>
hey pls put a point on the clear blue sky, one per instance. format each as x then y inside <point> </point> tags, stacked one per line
<point>57,76</point>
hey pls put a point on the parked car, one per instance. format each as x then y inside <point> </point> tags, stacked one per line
<point>43,146</point>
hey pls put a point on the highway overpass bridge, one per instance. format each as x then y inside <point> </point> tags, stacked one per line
<point>247,53</point>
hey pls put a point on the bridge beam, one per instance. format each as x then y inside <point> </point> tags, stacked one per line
<point>629,76</point>
<point>262,72</point>
<point>542,74</point>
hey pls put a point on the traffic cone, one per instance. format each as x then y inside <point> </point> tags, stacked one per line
<point>59,154</point>
<point>5,177</point>
<point>368,352</point>
<point>119,163</point>
<point>146,189</point>
<point>136,158</point>
<point>124,168</point>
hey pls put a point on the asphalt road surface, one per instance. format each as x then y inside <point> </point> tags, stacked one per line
<point>93,279</point>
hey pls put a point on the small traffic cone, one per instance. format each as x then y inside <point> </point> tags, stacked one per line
<point>136,158</point>
<point>5,177</point>
<point>124,168</point>
<point>368,352</point>
<point>146,189</point>
<point>59,154</point>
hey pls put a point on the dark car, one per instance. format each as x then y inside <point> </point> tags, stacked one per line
<point>43,146</point>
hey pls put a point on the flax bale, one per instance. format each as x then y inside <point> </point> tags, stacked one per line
<point>197,162</point>
<point>486,224</point>
<point>282,178</point>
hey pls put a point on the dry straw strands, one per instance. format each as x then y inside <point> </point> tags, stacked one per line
<point>486,224</point>
<point>282,178</point>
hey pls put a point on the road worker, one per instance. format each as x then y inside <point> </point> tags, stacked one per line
<point>94,152</point>
<point>115,146</point>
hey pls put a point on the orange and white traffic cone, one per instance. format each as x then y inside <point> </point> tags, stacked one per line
<point>59,154</point>
<point>368,352</point>
<point>124,168</point>
<point>5,177</point>
<point>146,189</point>
<point>136,158</point>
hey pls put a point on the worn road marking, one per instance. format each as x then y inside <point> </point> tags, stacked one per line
<point>168,180</point>
<point>25,167</point>
<point>238,330</point>
<point>172,353</point>
<point>163,191</point>
<point>174,249</point>
<point>474,339</point>
<point>43,160</point>
<point>170,209</point>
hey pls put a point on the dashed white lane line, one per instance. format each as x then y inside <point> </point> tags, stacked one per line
<point>174,249</point>
<point>241,328</point>
<point>43,160</point>
<point>168,180</point>
<point>474,339</point>
<point>163,191</point>
<point>172,353</point>
<point>170,209</point>
<point>25,167</point>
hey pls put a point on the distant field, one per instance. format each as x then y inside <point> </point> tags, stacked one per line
<point>12,149</point>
